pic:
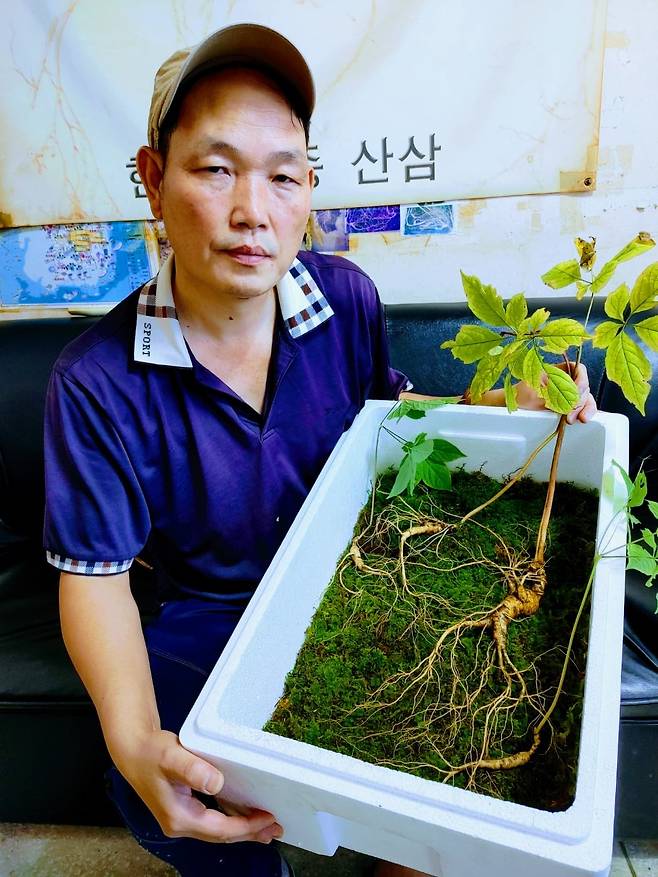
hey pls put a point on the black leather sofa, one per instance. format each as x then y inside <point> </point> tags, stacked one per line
<point>52,756</point>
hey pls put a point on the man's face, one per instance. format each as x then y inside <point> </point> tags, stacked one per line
<point>236,191</point>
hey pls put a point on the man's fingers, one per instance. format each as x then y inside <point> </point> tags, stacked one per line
<point>181,766</point>
<point>188,817</point>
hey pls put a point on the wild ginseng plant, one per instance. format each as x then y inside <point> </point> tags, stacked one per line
<point>511,343</point>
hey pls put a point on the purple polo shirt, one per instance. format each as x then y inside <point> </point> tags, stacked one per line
<point>149,453</point>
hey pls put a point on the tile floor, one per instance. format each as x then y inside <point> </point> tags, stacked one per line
<point>71,851</point>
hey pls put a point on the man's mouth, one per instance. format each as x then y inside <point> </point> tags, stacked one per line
<point>248,255</point>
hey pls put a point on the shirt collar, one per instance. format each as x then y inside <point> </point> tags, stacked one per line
<point>159,337</point>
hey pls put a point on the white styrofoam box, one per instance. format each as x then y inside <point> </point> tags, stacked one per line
<point>325,800</point>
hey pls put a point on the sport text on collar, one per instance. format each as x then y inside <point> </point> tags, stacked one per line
<point>159,337</point>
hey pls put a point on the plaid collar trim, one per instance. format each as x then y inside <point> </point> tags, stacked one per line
<point>159,337</point>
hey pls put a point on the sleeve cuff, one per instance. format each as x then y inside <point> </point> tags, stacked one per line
<point>88,567</point>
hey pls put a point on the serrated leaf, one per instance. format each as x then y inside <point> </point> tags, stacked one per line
<point>444,451</point>
<point>649,538</point>
<point>617,302</point>
<point>405,477</point>
<point>472,343</point>
<point>586,252</point>
<point>645,290</point>
<point>640,244</point>
<point>436,475</point>
<point>515,361</point>
<point>653,507</point>
<point>516,310</point>
<point>627,365</point>
<point>648,332</point>
<point>489,369</point>
<point>534,322</point>
<point>558,335</point>
<point>483,301</point>
<point>533,369</point>
<point>510,393</point>
<point>559,391</point>
<point>603,277</point>
<point>605,333</point>
<point>415,409</point>
<point>581,289</point>
<point>563,274</point>
<point>640,559</point>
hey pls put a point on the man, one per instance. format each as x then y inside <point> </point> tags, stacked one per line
<point>191,422</point>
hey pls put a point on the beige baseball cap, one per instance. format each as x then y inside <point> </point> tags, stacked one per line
<point>251,44</point>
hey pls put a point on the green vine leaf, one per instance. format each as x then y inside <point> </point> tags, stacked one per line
<point>563,274</point>
<point>605,333</point>
<point>510,393</point>
<point>436,475</point>
<point>645,290</point>
<point>617,302</point>
<point>642,561</point>
<point>516,310</point>
<point>558,391</point>
<point>489,369</point>
<point>533,369</point>
<point>534,322</point>
<point>628,366</point>
<point>483,301</point>
<point>444,451</point>
<point>558,335</point>
<point>415,409</point>
<point>653,507</point>
<point>647,330</point>
<point>425,460</point>
<point>472,343</point>
<point>603,277</point>
<point>640,244</point>
<point>405,477</point>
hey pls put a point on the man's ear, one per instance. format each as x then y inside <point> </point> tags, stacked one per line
<point>311,178</point>
<point>150,165</point>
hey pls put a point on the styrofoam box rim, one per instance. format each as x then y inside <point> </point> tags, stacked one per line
<point>575,834</point>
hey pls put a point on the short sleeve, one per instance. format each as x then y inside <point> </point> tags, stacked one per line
<point>96,517</point>
<point>387,382</point>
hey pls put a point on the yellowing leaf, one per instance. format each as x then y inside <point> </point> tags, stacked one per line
<point>533,369</point>
<point>627,365</point>
<point>615,304</point>
<point>581,289</point>
<point>472,343</point>
<point>516,310</point>
<point>648,332</point>
<point>640,244</point>
<point>603,276</point>
<point>645,290</point>
<point>604,334</point>
<point>515,362</point>
<point>534,321</point>
<point>483,301</point>
<point>559,392</point>
<point>487,373</point>
<point>510,393</point>
<point>563,274</point>
<point>586,252</point>
<point>558,335</point>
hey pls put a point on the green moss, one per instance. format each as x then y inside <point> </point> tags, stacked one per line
<point>355,642</point>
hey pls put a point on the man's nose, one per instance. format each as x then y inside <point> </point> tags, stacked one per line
<point>249,202</point>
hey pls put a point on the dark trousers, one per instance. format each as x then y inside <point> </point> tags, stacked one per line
<point>183,644</point>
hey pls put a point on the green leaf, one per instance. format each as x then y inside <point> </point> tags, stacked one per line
<point>639,491</point>
<point>627,365</point>
<point>516,310</point>
<point>653,507</point>
<point>534,321</point>
<point>510,394</point>
<point>420,448</point>
<point>533,369</point>
<point>436,475</point>
<point>603,276</point>
<point>563,274</point>
<point>559,392</point>
<point>645,290</point>
<point>444,451</point>
<point>405,477</point>
<point>415,409</point>
<point>627,481</point>
<point>483,301</point>
<point>649,538</point>
<point>516,359</point>
<point>648,332</point>
<point>640,244</point>
<point>472,343</point>
<point>605,333</point>
<point>558,335</point>
<point>640,559</point>
<point>581,289</point>
<point>487,373</point>
<point>617,302</point>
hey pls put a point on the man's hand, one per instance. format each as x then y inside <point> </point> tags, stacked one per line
<point>584,409</point>
<point>164,775</point>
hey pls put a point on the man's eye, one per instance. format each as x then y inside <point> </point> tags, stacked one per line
<point>216,169</point>
<point>283,178</point>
